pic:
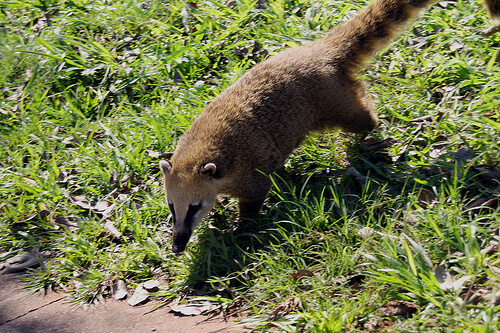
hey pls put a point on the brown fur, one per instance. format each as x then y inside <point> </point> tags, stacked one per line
<point>493,8</point>
<point>249,130</point>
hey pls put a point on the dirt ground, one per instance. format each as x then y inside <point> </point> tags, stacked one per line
<point>21,311</point>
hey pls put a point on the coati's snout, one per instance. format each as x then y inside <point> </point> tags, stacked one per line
<point>190,195</point>
<point>179,241</point>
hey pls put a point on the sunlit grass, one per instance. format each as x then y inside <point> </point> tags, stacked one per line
<point>93,93</point>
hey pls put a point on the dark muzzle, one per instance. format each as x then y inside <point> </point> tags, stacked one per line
<point>180,241</point>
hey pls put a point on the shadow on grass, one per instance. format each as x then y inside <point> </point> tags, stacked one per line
<point>375,189</point>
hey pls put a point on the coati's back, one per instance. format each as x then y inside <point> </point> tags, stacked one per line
<point>299,90</point>
<point>249,130</point>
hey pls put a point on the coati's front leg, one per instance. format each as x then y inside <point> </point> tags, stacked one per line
<point>252,199</point>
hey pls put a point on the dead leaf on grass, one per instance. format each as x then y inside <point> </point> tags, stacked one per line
<point>114,177</point>
<point>491,248</point>
<point>63,221</point>
<point>426,197</point>
<point>35,216</point>
<point>125,179</point>
<point>456,45</point>
<point>446,282</point>
<point>95,134</point>
<point>374,324</point>
<point>104,208</point>
<point>112,230</point>
<point>71,139</point>
<point>284,308</point>
<point>81,201</point>
<point>398,308</point>
<point>483,204</point>
<point>475,296</point>
<point>374,146</point>
<point>428,118</point>
<point>156,154</point>
<point>301,273</point>
<point>367,232</point>
<point>63,176</point>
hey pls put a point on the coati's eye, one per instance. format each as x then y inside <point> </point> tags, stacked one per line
<point>192,210</point>
<point>171,207</point>
<point>194,207</point>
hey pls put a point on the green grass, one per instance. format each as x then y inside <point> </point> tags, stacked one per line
<point>91,94</point>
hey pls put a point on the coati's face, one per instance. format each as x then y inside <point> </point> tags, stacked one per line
<point>190,196</point>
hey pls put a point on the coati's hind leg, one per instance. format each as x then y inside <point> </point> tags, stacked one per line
<point>360,120</point>
<point>361,116</point>
<point>349,106</point>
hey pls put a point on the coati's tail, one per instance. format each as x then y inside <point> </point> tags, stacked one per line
<point>372,29</point>
<point>493,8</point>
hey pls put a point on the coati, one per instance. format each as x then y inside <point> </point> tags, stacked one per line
<point>248,131</point>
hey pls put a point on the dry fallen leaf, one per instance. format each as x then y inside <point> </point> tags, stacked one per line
<point>81,201</point>
<point>284,308</point>
<point>71,139</point>
<point>63,221</point>
<point>456,45</point>
<point>139,296</point>
<point>301,273</point>
<point>112,230</point>
<point>366,232</point>
<point>19,262</point>
<point>95,134</point>
<point>398,308</point>
<point>119,290</point>
<point>114,177</point>
<point>151,285</point>
<point>446,282</point>
<point>374,146</point>
<point>427,118</point>
<point>426,197</point>
<point>156,154</point>
<point>104,207</point>
<point>34,217</point>
<point>63,176</point>
<point>491,248</point>
<point>192,309</point>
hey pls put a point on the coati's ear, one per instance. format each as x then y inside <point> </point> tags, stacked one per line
<point>165,167</point>
<point>208,170</point>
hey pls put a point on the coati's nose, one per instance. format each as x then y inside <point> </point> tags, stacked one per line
<point>180,241</point>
